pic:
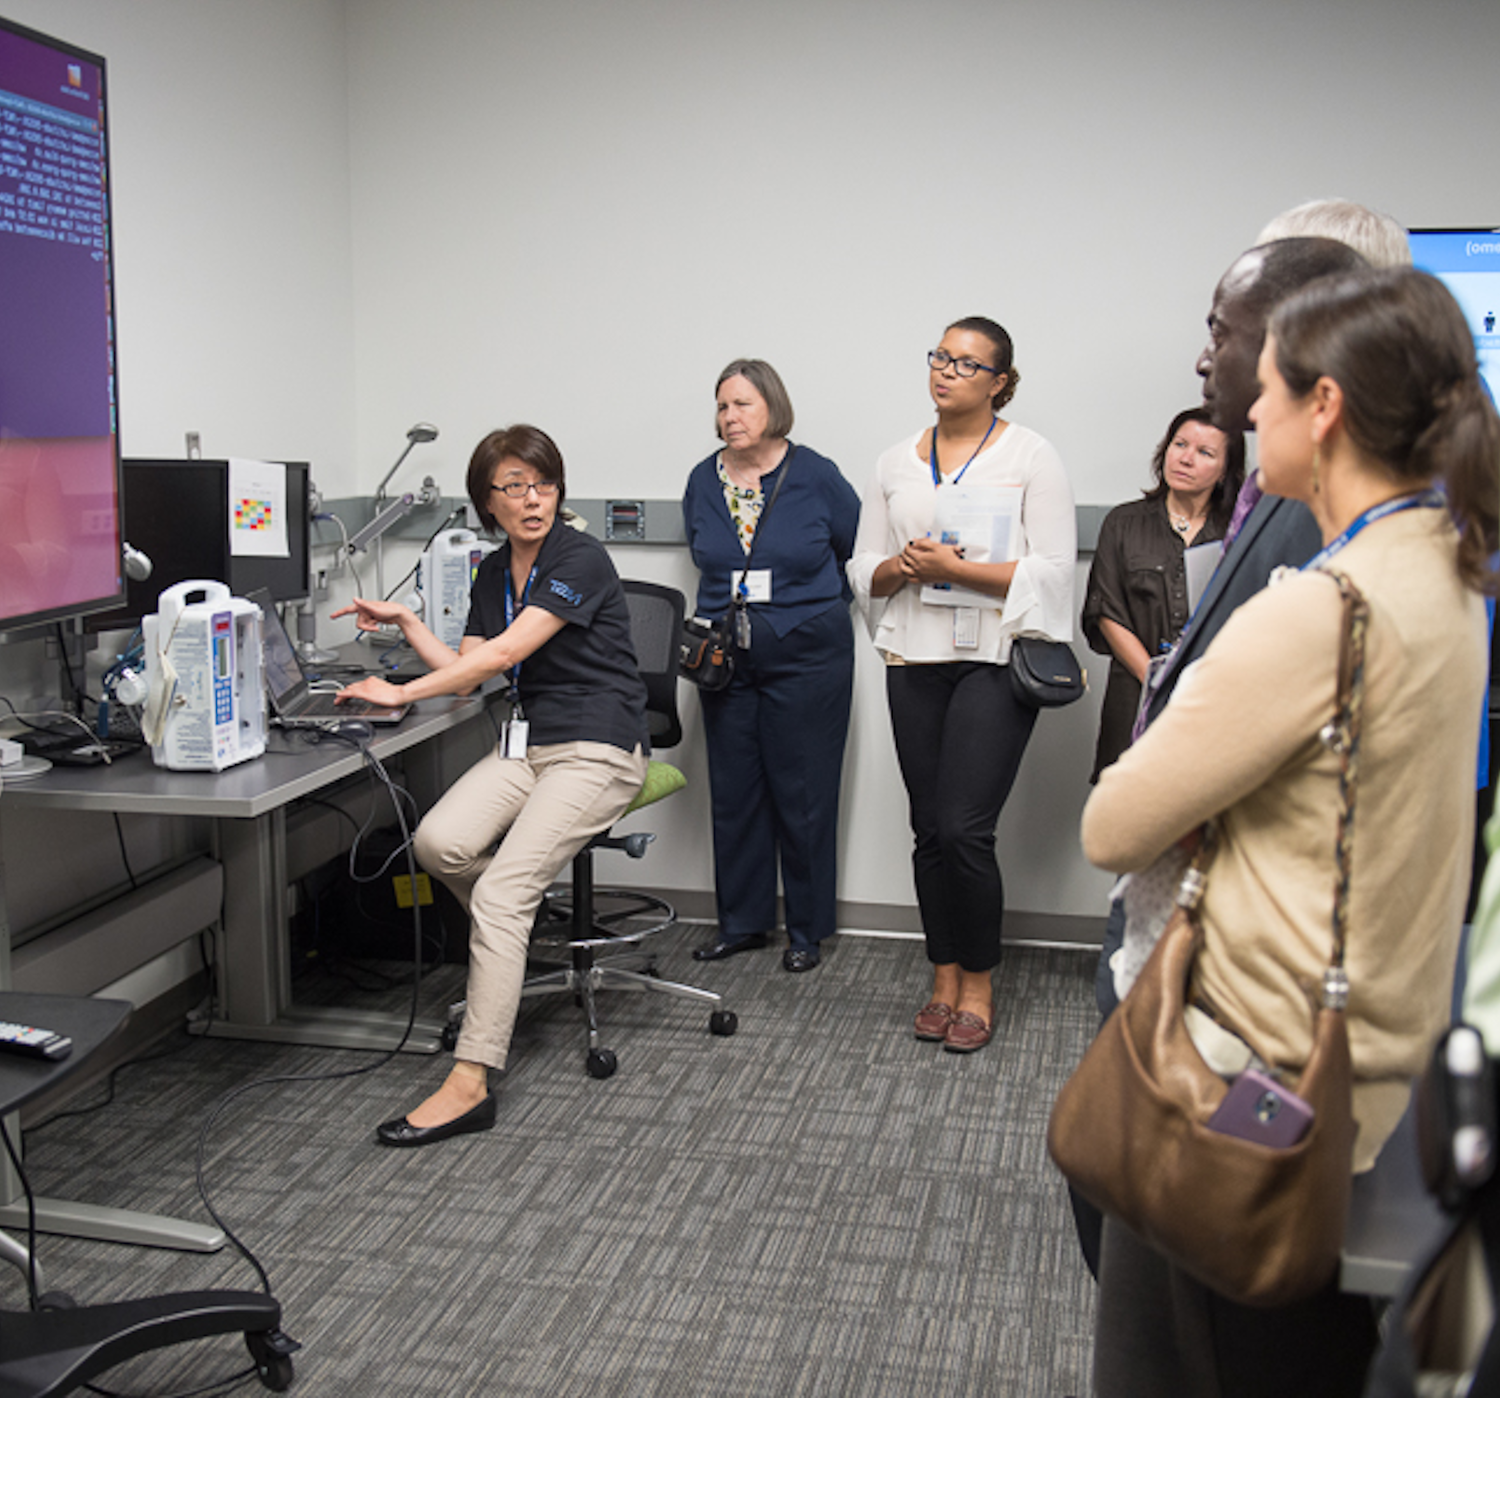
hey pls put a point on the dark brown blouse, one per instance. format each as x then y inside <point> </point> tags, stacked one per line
<point>1139,581</point>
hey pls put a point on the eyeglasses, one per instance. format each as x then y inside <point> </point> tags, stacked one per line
<point>940,359</point>
<point>517,491</point>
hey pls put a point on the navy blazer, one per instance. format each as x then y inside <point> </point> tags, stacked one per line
<point>1279,533</point>
<point>805,541</point>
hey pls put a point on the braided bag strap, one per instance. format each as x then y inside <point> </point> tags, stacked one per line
<point>1342,735</point>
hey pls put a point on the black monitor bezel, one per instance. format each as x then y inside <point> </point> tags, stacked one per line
<point>75,610</point>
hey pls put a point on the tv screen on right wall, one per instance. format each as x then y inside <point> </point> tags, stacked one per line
<point>1468,261</point>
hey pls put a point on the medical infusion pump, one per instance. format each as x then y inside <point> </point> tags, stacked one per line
<point>445,575</point>
<point>205,693</point>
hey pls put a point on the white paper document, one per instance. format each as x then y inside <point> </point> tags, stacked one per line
<point>257,509</point>
<point>985,520</point>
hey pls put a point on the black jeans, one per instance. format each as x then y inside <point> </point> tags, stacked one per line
<point>960,733</point>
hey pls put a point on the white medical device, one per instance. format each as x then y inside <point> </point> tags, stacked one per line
<point>445,575</point>
<point>205,694</point>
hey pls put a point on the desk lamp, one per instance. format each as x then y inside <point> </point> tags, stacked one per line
<point>423,432</point>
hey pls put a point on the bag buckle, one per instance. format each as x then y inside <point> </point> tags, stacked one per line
<point>1335,988</point>
<point>1190,890</point>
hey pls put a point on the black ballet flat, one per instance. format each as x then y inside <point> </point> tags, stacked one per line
<point>403,1133</point>
<point>728,947</point>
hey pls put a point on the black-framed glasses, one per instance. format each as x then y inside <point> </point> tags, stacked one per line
<point>940,359</point>
<point>545,490</point>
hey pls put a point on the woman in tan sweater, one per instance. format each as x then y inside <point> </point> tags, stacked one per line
<point>1370,398</point>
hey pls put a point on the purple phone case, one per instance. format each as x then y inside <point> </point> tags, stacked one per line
<point>1259,1109</point>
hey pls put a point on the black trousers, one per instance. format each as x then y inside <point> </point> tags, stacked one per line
<point>960,733</point>
<point>775,761</point>
<point>1161,1333</point>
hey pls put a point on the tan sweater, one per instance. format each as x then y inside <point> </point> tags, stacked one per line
<point>1240,739</point>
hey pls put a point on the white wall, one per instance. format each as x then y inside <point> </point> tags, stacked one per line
<point>230,176</point>
<point>335,219</point>
<point>574,213</point>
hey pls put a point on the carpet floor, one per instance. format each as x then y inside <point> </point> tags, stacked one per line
<point>817,1205</point>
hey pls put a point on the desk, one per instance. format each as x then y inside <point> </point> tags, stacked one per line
<point>247,805</point>
<point>89,1023</point>
<point>53,1352</point>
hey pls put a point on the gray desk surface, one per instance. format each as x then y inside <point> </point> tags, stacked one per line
<point>247,805</point>
<point>89,1022</point>
<point>290,768</point>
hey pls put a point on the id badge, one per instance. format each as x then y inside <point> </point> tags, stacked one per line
<point>757,586</point>
<point>966,628</point>
<point>742,627</point>
<point>514,742</point>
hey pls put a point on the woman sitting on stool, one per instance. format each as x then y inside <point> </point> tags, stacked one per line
<point>547,609</point>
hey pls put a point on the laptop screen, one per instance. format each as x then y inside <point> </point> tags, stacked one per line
<point>284,674</point>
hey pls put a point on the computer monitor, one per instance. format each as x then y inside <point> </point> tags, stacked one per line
<point>177,511</point>
<point>59,435</point>
<point>1467,261</point>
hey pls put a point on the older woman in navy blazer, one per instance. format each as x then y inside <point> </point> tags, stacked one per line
<point>776,733</point>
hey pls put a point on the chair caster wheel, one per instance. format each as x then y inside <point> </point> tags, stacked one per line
<point>449,1039</point>
<point>54,1302</point>
<point>723,1023</point>
<point>272,1353</point>
<point>601,1062</point>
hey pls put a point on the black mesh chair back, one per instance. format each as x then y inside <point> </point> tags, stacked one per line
<point>656,628</point>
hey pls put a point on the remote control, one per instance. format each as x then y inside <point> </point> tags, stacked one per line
<point>33,1041</point>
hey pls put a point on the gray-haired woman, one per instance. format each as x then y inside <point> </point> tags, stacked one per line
<point>771,525</point>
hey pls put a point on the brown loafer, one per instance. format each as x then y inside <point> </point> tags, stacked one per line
<point>967,1033</point>
<point>933,1022</point>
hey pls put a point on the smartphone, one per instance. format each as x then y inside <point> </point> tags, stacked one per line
<point>1259,1109</point>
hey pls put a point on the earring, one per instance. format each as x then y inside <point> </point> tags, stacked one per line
<point>1317,467</point>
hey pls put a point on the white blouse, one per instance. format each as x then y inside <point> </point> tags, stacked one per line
<point>899,503</point>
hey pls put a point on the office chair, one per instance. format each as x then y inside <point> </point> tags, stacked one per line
<point>58,1346</point>
<point>598,919</point>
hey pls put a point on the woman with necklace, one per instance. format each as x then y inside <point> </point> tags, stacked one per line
<point>1137,598</point>
<point>1372,414</point>
<point>943,615</point>
<point>770,525</point>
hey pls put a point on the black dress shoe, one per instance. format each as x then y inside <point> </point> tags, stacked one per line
<point>800,960</point>
<point>403,1133</point>
<point>727,947</point>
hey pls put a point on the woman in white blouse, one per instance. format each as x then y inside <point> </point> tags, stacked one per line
<point>943,612</point>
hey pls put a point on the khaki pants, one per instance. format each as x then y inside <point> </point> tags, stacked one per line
<point>501,834</point>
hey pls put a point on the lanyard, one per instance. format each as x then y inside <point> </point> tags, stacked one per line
<point>510,619</point>
<point>1427,500</point>
<point>937,475</point>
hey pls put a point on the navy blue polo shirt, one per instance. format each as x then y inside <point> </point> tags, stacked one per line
<point>583,683</point>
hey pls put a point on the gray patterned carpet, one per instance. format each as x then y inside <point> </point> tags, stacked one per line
<point>816,1206</point>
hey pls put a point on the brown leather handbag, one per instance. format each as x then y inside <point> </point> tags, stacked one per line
<point>1260,1225</point>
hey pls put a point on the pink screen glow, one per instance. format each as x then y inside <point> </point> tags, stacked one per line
<point>58,537</point>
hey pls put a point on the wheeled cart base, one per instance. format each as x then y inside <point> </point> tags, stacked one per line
<point>55,1350</point>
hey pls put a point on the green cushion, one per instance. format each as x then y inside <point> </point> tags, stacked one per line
<point>661,781</point>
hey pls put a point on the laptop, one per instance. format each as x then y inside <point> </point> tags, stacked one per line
<point>295,702</point>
